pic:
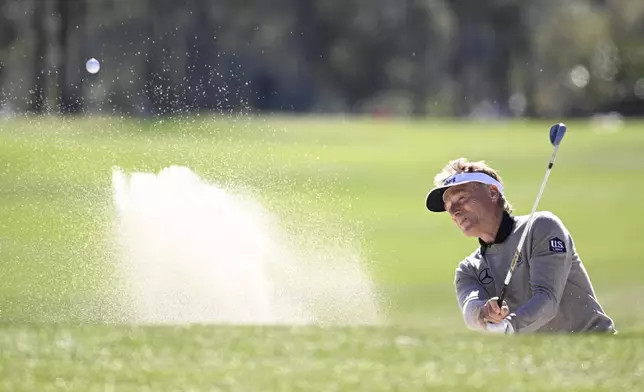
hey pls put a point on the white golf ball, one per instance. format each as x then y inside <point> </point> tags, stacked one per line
<point>92,66</point>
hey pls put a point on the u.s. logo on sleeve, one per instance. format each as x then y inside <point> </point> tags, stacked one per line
<point>557,245</point>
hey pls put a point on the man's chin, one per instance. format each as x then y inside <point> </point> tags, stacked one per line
<point>469,231</point>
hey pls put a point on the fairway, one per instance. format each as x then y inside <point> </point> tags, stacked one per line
<point>357,180</point>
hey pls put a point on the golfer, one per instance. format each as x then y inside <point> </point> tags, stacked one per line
<point>550,290</point>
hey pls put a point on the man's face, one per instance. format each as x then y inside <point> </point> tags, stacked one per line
<point>471,206</point>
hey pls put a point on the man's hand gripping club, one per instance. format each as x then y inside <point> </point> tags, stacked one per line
<point>492,317</point>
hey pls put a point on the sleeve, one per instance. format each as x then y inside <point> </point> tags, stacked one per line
<point>471,295</point>
<point>549,266</point>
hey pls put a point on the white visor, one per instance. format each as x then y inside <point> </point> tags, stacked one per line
<point>434,201</point>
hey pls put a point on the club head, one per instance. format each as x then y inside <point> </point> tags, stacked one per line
<point>557,132</point>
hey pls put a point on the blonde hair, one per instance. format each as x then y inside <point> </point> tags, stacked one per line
<point>462,165</point>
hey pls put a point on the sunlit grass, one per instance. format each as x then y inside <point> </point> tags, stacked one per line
<point>58,269</point>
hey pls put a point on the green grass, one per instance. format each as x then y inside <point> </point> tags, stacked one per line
<point>58,273</point>
<point>295,359</point>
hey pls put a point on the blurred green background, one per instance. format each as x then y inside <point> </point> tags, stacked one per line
<point>490,58</point>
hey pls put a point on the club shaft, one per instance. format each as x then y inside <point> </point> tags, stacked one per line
<point>524,235</point>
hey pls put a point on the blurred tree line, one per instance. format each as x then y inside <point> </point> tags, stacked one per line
<point>401,57</point>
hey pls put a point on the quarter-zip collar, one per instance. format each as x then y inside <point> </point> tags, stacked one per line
<point>505,229</point>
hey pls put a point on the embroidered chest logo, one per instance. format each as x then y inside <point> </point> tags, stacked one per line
<point>485,276</point>
<point>557,245</point>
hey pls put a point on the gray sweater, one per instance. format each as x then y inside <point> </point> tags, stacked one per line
<point>550,290</point>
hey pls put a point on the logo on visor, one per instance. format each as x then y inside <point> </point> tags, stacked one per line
<point>450,180</point>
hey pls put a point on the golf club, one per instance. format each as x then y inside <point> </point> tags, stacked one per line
<point>557,132</point>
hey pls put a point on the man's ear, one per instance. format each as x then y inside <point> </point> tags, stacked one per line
<point>494,193</point>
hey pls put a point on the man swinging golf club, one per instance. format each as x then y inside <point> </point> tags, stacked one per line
<point>550,290</point>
